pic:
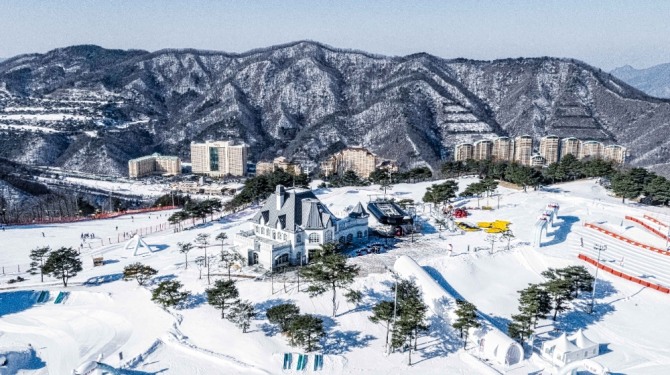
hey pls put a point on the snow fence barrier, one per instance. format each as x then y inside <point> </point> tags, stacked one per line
<point>647,227</point>
<point>493,344</point>
<point>626,239</point>
<point>654,220</point>
<point>622,275</point>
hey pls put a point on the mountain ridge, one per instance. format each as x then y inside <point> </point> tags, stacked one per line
<point>305,99</point>
<point>654,80</point>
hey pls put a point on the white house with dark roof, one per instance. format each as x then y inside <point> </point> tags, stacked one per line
<point>292,225</point>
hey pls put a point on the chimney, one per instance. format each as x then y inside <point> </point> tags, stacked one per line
<point>280,196</point>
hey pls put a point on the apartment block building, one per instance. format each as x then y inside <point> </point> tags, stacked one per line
<point>266,167</point>
<point>503,149</point>
<point>572,146</point>
<point>550,148</point>
<point>592,150</point>
<point>358,159</point>
<point>483,150</point>
<point>219,158</point>
<point>463,151</point>
<point>155,164</point>
<point>615,153</point>
<point>523,149</point>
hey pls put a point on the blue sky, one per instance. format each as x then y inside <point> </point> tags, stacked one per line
<point>606,34</point>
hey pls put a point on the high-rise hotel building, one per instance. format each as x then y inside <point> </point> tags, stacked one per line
<point>503,149</point>
<point>155,164</point>
<point>571,146</point>
<point>219,158</point>
<point>615,153</point>
<point>549,148</point>
<point>483,150</point>
<point>592,150</point>
<point>523,149</point>
<point>463,151</point>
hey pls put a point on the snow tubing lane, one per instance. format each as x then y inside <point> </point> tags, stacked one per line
<point>654,220</point>
<point>646,226</point>
<point>626,239</point>
<point>623,275</point>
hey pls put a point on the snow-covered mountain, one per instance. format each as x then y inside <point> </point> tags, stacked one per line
<point>91,108</point>
<point>655,80</point>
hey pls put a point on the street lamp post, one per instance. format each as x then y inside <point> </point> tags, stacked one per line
<point>600,248</point>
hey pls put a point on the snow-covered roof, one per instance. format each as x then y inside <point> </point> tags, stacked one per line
<point>299,208</point>
<point>581,341</point>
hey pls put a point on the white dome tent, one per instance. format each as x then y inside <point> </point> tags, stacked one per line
<point>493,344</point>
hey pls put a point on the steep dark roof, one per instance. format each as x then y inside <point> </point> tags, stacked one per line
<point>301,209</point>
<point>358,211</point>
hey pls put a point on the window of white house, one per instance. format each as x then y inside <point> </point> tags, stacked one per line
<point>314,238</point>
<point>274,235</point>
<point>359,234</point>
<point>329,236</point>
<point>298,238</point>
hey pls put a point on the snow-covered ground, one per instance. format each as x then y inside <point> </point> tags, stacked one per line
<point>105,315</point>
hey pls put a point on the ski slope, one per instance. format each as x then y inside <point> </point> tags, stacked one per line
<point>106,315</point>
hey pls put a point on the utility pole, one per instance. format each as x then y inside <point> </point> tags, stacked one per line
<point>600,248</point>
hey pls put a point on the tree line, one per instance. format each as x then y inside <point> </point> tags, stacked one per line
<point>627,183</point>
<point>537,301</point>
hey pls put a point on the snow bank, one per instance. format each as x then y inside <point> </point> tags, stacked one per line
<point>493,344</point>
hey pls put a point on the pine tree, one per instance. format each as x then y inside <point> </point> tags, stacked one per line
<point>560,292</point>
<point>625,185</point>
<point>282,315</point>
<point>184,248</point>
<point>382,312</point>
<point>138,271</point>
<point>466,314</point>
<point>507,235</point>
<point>229,259</point>
<point>534,302</point>
<point>579,277</point>
<point>202,241</point>
<point>241,314</point>
<point>63,263</point>
<point>222,294</point>
<point>519,328</point>
<point>169,294</point>
<point>221,237</point>
<point>329,271</point>
<point>38,255</point>
<point>441,193</point>
<point>410,317</point>
<point>305,330</point>
<point>201,263</point>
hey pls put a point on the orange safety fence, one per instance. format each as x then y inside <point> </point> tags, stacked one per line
<point>106,215</point>
<point>626,239</point>
<point>622,275</point>
<point>647,227</point>
<point>654,220</point>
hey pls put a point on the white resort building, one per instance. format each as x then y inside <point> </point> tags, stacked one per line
<point>292,226</point>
